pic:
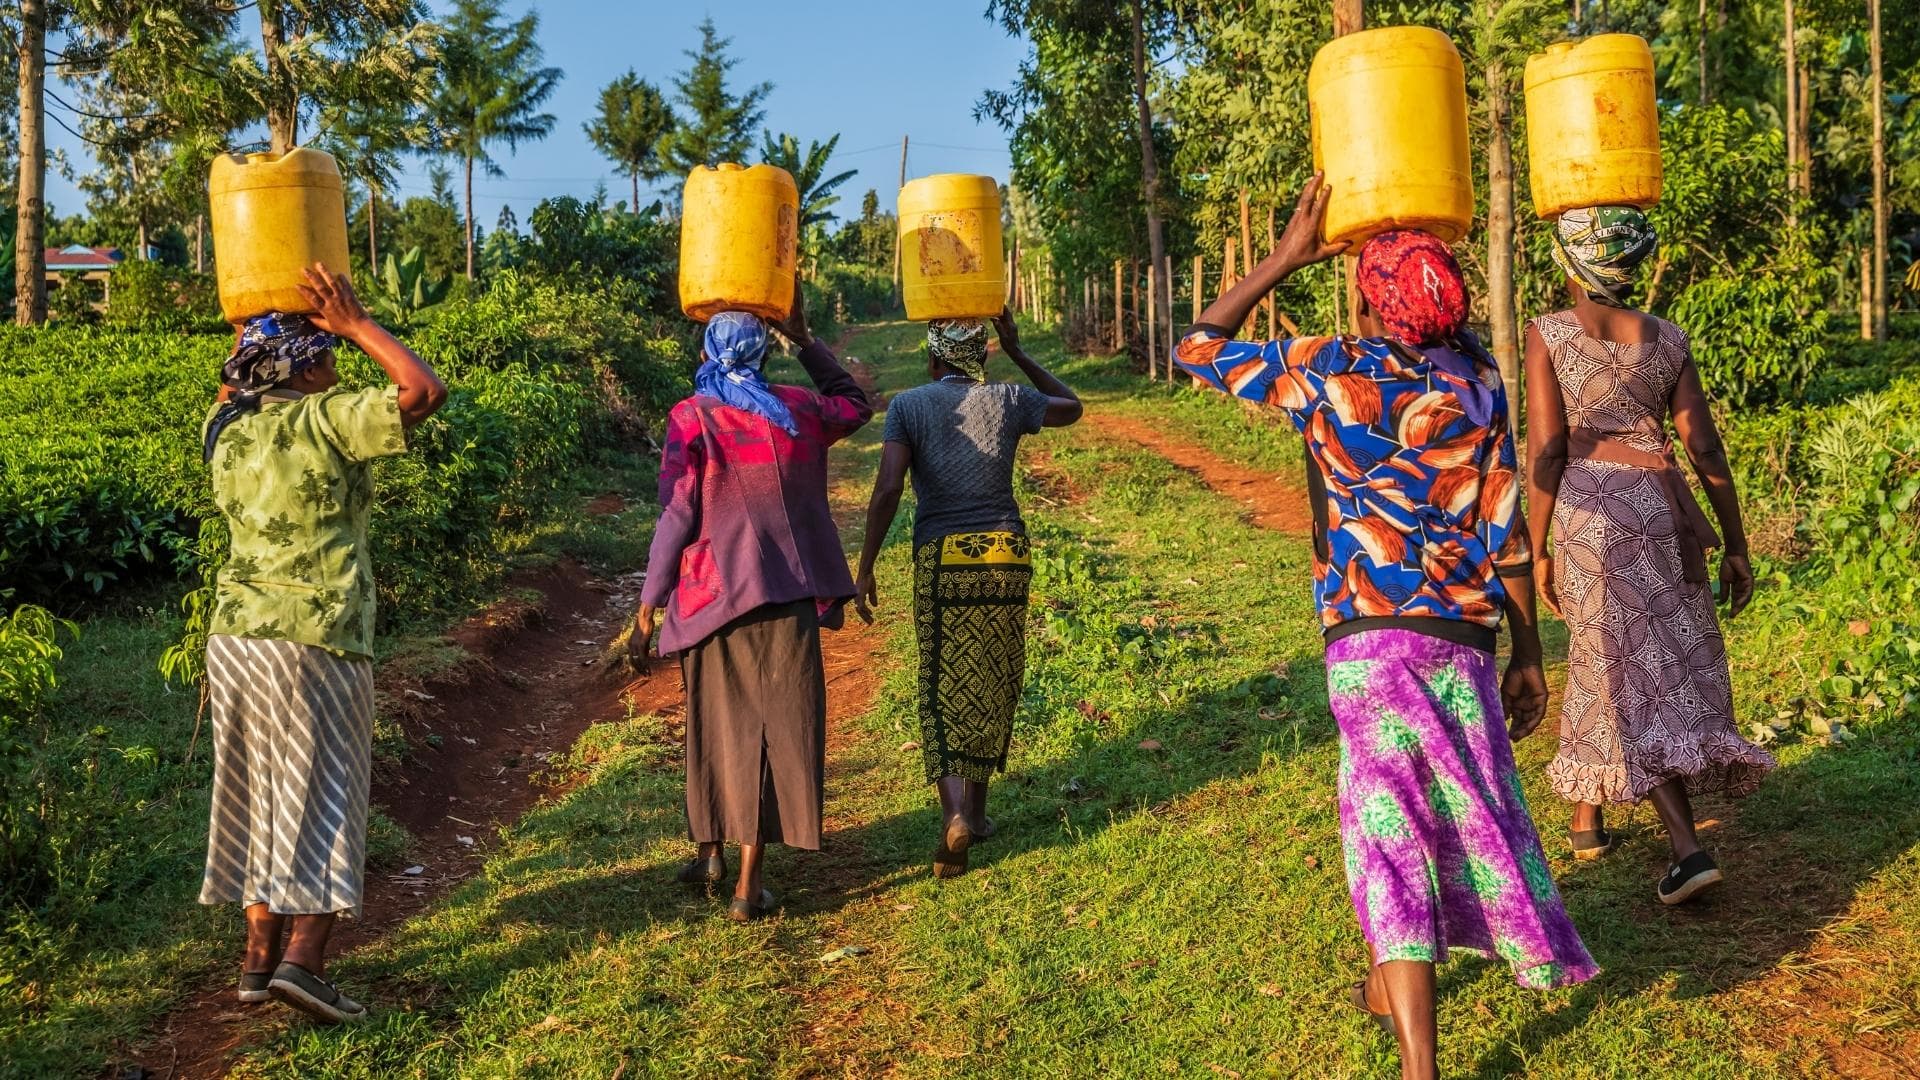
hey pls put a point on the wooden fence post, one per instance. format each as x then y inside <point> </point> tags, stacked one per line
<point>1273,328</point>
<point>1167,341</point>
<point>1119,316</point>
<point>1199,283</point>
<point>1153,334</point>
<point>1246,261</point>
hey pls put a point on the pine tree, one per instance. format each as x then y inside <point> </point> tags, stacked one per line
<point>634,116</point>
<point>714,125</point>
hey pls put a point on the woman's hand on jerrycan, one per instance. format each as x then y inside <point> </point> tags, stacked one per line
<point>1301,245</point>
<point>794,326</point>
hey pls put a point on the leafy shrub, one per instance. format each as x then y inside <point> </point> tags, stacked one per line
<point>153,296</point>
<point>71,303</point>
<point>29,650</point>
<point>589,244</point>
<point>406,291</point>
<point>1752,338</point>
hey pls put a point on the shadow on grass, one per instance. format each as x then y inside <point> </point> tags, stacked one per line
<point>1795,853</point>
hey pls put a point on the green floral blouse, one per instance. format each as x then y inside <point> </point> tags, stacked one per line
<point>295,483</point>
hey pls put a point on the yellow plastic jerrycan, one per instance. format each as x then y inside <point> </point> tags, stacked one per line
<point>1389,119</point>
<point>951,262</point>
<point>1593,128</point>
<point>739,231</point>
<point>274,215</point>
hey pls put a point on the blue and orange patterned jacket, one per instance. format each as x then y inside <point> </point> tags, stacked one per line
<point>1420,517</point>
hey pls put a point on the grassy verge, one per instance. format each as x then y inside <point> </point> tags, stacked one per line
<point>1165,895</point>
<point>129,939</point>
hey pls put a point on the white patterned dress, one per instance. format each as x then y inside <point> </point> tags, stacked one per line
<point>1648,698</point>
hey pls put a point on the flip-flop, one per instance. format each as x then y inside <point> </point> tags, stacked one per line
<point>950,858</point>
<point>1357,997</point>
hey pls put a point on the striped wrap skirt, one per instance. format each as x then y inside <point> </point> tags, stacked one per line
<point>292,767</point>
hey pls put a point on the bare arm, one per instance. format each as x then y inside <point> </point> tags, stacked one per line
<point>1523,690</point>
<point>1693,419</point>
<point>888,486</point>
<point>1063,405</point>
<point>339,312</point>
<point>1546,458</point>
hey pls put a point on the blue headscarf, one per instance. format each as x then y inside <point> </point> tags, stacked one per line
<point>273,348</point>
<point>736,346</point>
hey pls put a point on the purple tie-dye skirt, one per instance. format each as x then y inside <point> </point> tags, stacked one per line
<point>1441,851</point>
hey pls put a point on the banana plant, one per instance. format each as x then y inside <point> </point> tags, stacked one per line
<point>406,291</point>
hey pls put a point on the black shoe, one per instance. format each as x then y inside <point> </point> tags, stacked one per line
<point>1689,878</point>
<point>253,987</point>
<point>313,995</point>
<point>1590,843</point>
<point>699,871</point>
<point>748,910</point>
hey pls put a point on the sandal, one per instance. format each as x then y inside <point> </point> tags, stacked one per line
<point>253,987</point>
<point>986,829</point>
<point>950,858</point>
<point>699,871</point>
<point>302,989</point>
<point>1590,843</point>
<point>1357,997</point>
<point>748,911</point>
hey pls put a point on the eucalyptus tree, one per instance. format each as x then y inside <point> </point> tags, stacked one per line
<point>490,90</point>
<point>322,54</point>
<point>634,116</point>
<point>715,123</point>
<point>809,171</point>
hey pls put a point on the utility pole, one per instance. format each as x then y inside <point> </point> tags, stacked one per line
<point>1350,16</point>
<point>1879,181</point>
<point>896,214</point>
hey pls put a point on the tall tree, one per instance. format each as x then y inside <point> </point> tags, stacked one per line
<point>714,123</point>
<point>809,171</point>
<point>29,253</point>
<point>1879,177</point>
<point>366,140</point>
<point>324,53</point>
<point>634,116</point>
<point>1149,170</point>
<point>490,91</point>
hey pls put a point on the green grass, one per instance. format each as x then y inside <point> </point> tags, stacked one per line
<point>1165,896</point>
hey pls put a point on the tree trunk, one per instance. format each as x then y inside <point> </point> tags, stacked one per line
<point>1803,140</point>
<point>283,101</point>
<point>373,243</point>
<point>1866,294</point>
<point>1702,58</point>
<point>469,217</point>
<point>199,243</point>
<point>29,251</point>
<point>1879,180</point>
<point>1793,104</point>
<point>636,192</point>
<point>1500,225</point>
<point>1149,167</point>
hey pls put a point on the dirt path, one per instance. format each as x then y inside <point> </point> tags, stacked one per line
<point>480,735</point>
<point>534,677</point>
<point>1271,502</point>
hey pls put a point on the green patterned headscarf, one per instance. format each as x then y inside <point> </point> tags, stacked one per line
<point>1599,246</point>
<point>961,344</point>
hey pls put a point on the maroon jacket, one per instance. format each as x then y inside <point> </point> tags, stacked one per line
<point>744,519</point>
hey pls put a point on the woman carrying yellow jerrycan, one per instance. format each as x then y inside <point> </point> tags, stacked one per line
<point>957,436</point>
<point>288,655</point>
<point>1419,550</point>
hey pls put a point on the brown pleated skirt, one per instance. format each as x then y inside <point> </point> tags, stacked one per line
<point>757,729</point>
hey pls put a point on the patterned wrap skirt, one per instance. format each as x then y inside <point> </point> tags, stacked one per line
<point>970,620</point>
<point>1441,851</point>
<point>1648,696</point>
<point>292,767</point>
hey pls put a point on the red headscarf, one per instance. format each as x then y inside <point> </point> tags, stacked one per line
<point>1412,282</point>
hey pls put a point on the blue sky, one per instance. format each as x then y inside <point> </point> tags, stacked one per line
<point>870,70</point>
